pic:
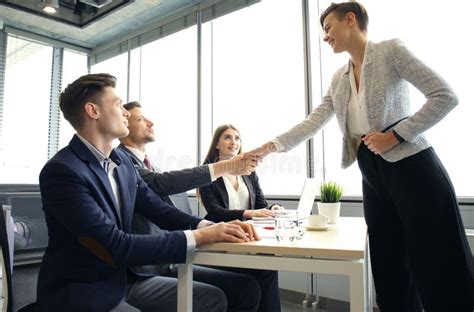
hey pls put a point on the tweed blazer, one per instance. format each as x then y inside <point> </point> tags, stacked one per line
<point>387,69</point>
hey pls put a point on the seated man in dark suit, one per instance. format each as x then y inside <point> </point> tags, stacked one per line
<point>90,191</point>
<point>168,183</point>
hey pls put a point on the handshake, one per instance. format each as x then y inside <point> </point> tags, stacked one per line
<point>243,164</point>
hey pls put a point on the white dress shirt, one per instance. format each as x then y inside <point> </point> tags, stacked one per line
<point>109,166</point>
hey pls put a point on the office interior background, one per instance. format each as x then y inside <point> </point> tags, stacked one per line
<point>261,67</point>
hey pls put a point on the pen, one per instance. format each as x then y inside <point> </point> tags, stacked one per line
<point>268,228</point>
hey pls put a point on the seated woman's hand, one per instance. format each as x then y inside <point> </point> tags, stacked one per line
<point>249,214</point>
<point>277,207</point>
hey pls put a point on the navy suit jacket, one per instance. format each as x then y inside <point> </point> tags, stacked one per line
<point>216,200</point>
<point>164,184</point>
<point>85,264</point>
<point>170,182</point>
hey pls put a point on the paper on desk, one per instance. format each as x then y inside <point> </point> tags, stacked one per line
<point>264,233</point>
<point>265,229</point>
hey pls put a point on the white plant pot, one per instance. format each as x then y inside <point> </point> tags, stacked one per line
<point>332,210</point>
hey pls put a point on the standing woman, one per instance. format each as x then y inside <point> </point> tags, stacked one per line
<point>418,245</point>
<point>239,197</point>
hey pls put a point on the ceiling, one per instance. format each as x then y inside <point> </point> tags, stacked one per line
<point>88,26</point>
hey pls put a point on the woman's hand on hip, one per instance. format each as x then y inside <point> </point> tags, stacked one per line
<point>379,142</point>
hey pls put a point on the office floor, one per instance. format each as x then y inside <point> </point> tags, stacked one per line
<point>287,306</point>
<point>329,306</point>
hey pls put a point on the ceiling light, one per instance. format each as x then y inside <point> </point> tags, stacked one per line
<point>50,6</point>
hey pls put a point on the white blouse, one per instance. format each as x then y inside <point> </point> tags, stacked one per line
<point>239,199</point>
<point>357,122</point>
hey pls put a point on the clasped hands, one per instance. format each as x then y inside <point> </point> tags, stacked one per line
<point>242,164</point>
<point>246,163</point>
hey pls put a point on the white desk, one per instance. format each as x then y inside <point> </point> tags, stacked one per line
<point>340,250</point>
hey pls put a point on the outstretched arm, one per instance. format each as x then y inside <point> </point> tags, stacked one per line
<point>263,150</point>
<point>178,181</point>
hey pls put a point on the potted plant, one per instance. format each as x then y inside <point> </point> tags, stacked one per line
<point>330,206</point>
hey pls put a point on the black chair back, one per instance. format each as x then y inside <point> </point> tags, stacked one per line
<point>181,202</point>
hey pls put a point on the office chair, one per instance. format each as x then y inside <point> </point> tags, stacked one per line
<point>13,288</point>
<point>181,201</point>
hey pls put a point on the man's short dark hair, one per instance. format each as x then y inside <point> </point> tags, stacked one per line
<point>88,88</point>
<point>131,105</point>
<point>341,10</point>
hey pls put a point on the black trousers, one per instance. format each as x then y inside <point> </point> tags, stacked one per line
<point>268,281</point>
<point>418,246</point>
<point>263,297</point>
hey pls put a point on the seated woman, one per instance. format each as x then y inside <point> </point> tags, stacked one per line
<point>239,197</point>
<point>232,197</point>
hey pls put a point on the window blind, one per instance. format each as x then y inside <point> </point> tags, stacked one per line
<point>54,110</point>
<point>3,55</point>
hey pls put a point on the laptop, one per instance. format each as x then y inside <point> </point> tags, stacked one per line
<point>305,205</point>
<point>265,226</point>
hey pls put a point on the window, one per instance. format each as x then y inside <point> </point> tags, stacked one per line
<point>24,147</point>
<point>448,51</point>
<point>118,67</point>
<point>257,84</point>
<point>74,66</point>
<point>135,75</point>
<point>324,63</point>
<point>168,98</point>
<point>424,39</point>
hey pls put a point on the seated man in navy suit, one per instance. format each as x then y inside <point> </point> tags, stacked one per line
<point>90,191</point>
<point>242,290</point>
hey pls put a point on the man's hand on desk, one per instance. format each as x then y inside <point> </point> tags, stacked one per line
<point>248,229</point>
<point>235,232</point>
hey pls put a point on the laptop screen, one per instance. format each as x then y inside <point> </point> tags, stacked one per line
<point>305,205</point>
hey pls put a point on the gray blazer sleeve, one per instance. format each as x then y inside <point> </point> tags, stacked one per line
<point>308,127</point>
<point>440,98</point>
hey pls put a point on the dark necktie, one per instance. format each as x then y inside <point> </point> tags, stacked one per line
<point>106,164</point>
<point>148,164</point>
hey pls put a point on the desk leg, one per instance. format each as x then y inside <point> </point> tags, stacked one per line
<point>357,286</point>
<point>185,287</point>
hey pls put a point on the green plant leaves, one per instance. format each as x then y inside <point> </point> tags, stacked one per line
<point>330,192</point>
